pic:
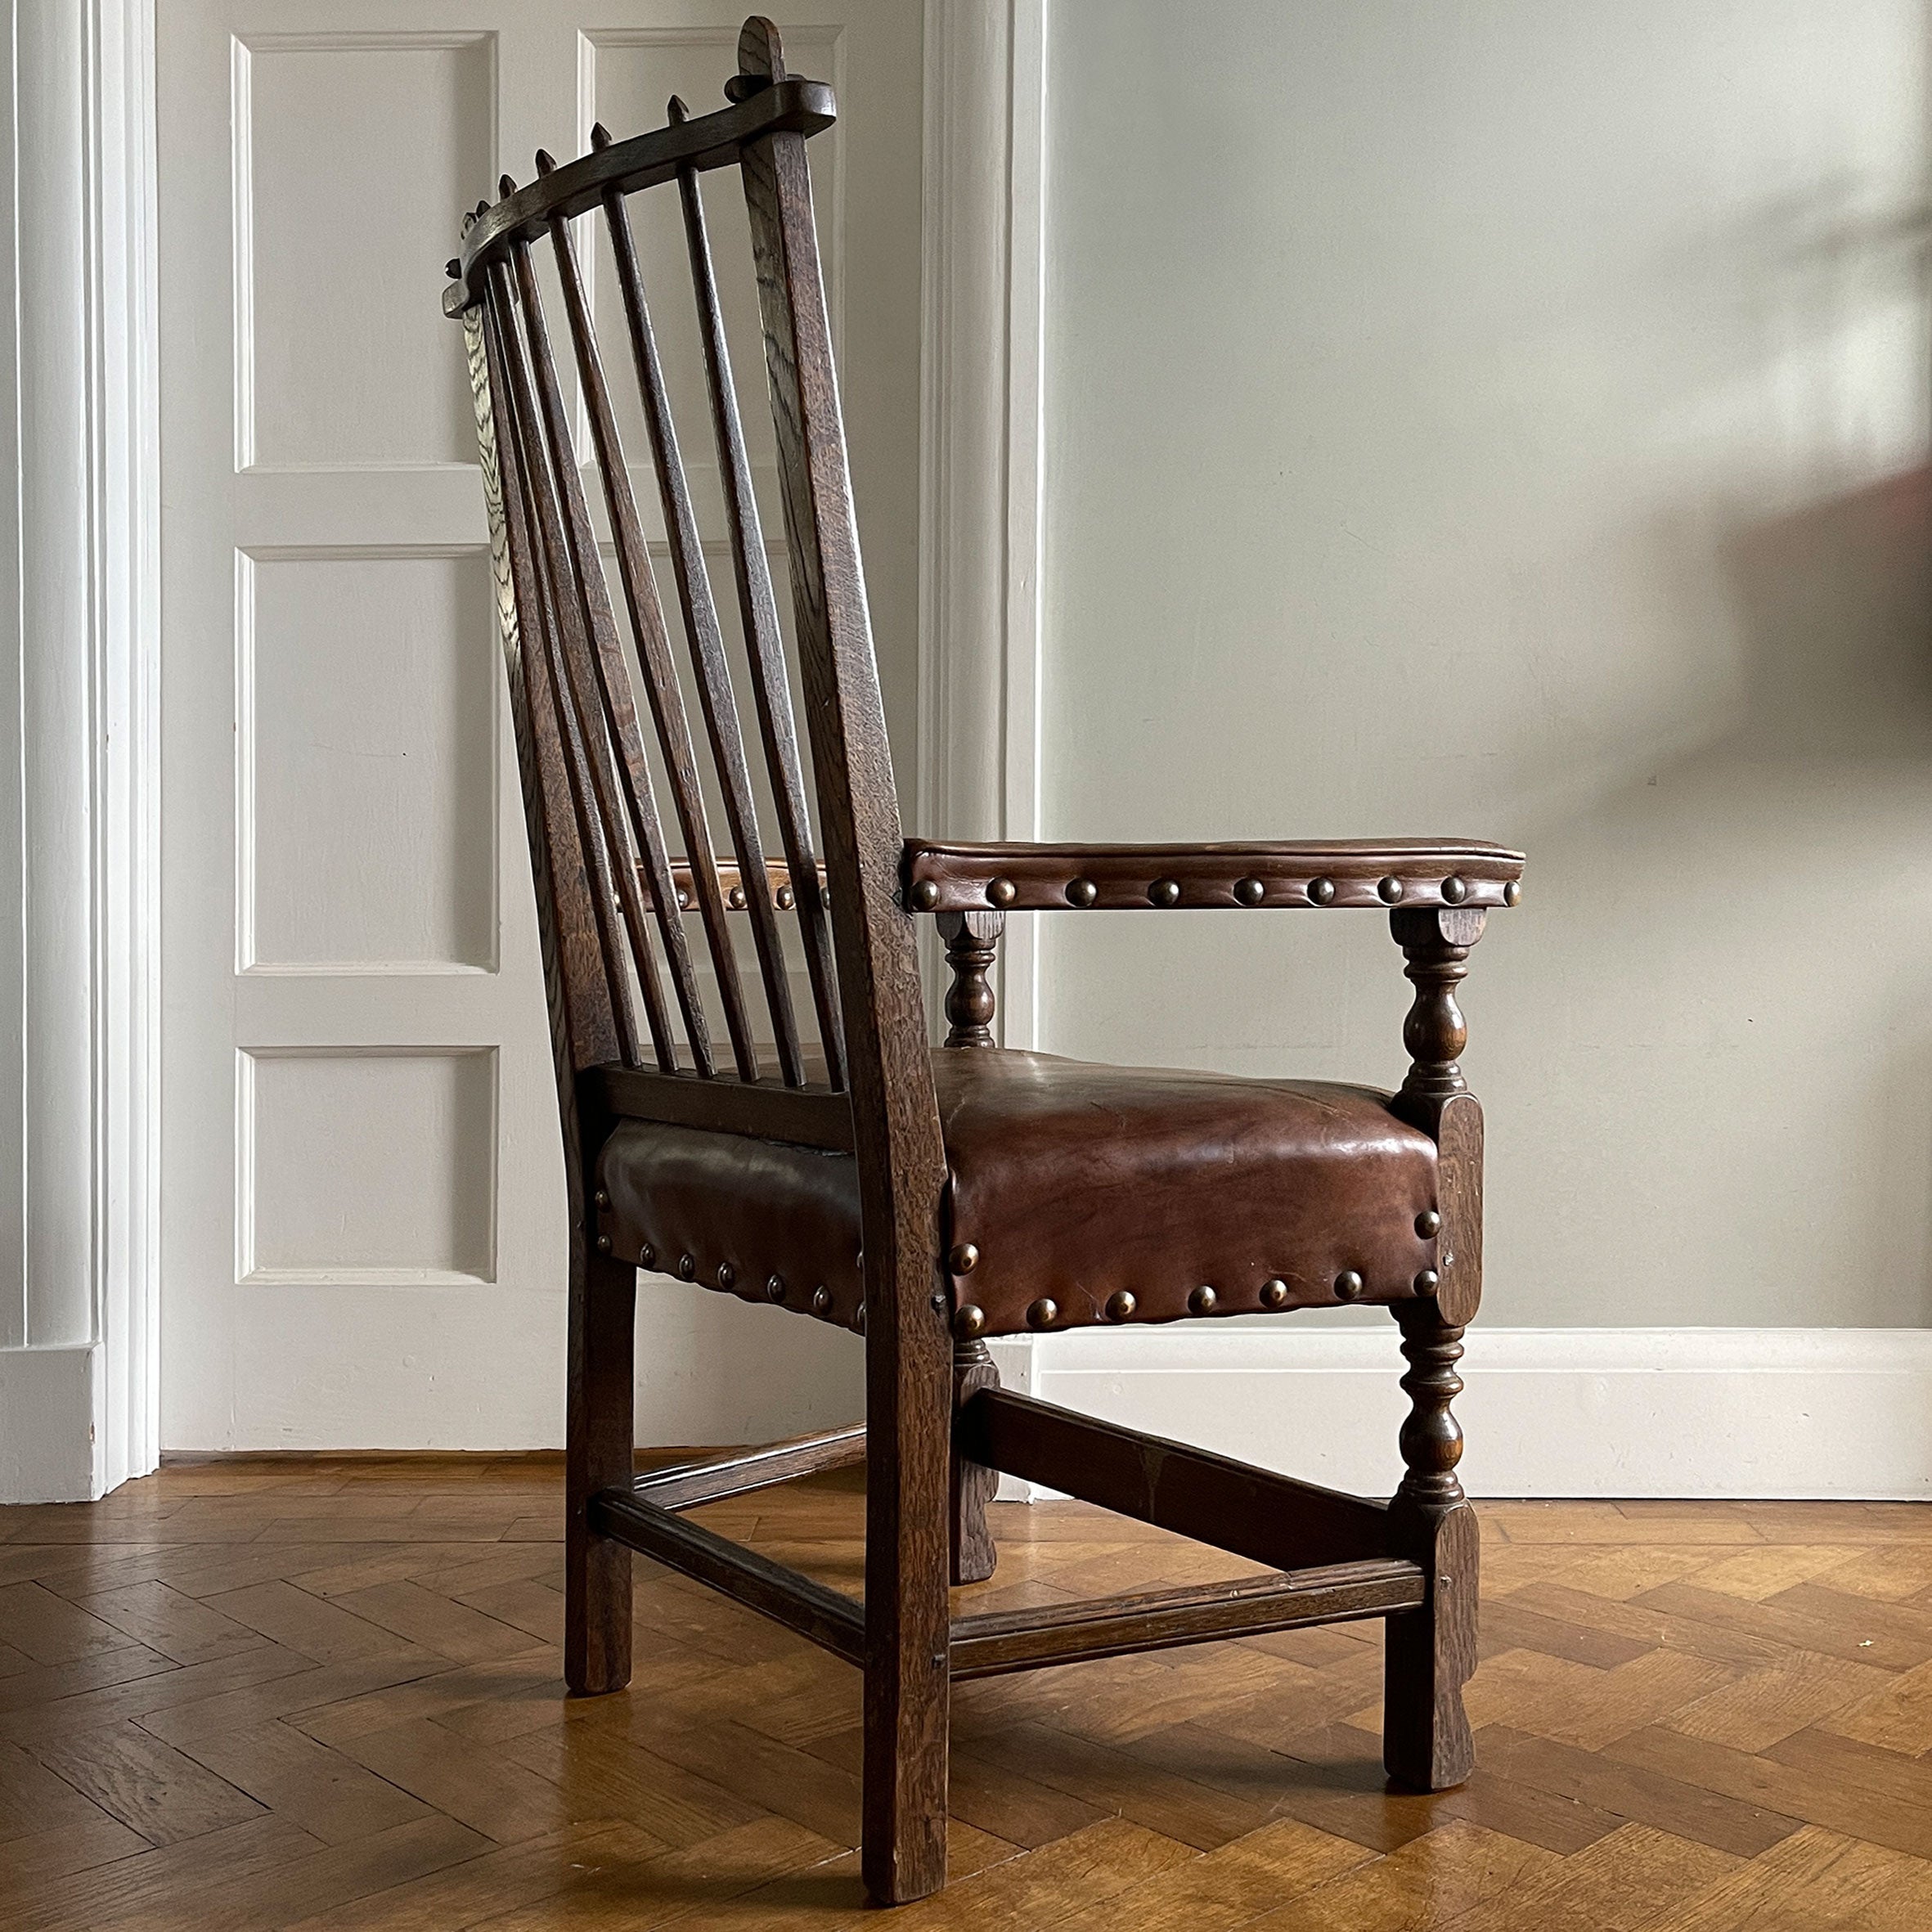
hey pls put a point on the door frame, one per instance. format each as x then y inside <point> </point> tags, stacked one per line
<point>80,855</point>
<point>80,531</point>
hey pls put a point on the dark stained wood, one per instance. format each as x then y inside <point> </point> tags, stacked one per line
<point>647,625</point>
<point>972,950</point>
<point>990,1645</point>
<point>1430,1652</point>
<point>1250,1512</point>
<point>707,645</point>
<point>803,1116</point>
<point>758,614</point>
<point>974,1484</point>
<point>894,1113</point>
<point>939,1429</point>
<point>597,1454</point>
<point>688,1485</point>
<point>834,1622</point>
<point>1032,877</point>
<point>595,659</point>
<point>796,105</point>
<point>584,894</point>
<point>583,1026</point>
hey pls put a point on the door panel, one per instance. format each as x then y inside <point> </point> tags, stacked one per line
<point>362,1221</point>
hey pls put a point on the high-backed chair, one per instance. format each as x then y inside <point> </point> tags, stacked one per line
<point>928,1199</point>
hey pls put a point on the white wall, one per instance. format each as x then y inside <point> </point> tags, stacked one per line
<point>1509,420</point>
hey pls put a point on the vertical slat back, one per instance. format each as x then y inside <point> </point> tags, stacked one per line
<point>601,679</point>
<point>583,1026</point>
<point>616,889</point>
<point>758,614</point>
<point>706,643</point>
<point>654,654</point>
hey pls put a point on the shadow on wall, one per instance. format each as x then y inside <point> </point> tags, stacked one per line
<point>1780,864</point>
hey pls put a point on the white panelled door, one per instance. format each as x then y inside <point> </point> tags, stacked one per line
<point>362,1219</point>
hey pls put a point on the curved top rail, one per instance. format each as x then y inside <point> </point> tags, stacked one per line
<point>712,141</point>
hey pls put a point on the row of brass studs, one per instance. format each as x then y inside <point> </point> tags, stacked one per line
<point>970,1322</point>
<point>735,899</point>
<point>1001,892</point>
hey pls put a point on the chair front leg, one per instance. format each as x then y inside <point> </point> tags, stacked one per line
<point>974,1556</point>
<point>599,1431</point>
<point>1430,1652</point>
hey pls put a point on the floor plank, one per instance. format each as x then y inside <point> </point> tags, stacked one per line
<point>258,1692</point>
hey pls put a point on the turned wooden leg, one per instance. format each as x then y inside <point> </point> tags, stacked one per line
<point>1430,1652</point>
<point>972,949</point>
<point>599,1430</point>
<point>973,1555</point>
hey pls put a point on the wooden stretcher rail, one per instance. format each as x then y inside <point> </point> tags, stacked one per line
<point>1249,1512</point>
<point>1205,1613</point>
<point>689,1485</point>
<point>834,1622</point>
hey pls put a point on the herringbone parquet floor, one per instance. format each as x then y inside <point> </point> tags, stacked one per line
<point>324,1694</point>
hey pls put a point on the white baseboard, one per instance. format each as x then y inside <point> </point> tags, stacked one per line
<point>52,1423</point>
<point>1797,1412</point>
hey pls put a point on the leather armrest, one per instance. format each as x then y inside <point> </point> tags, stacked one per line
<point>1374,873</point>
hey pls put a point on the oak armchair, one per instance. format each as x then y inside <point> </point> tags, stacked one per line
<point>926,1199</point>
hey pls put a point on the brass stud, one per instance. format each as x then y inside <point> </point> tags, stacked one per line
<point>735,899</point>
<point>1428,1224</point>
<point>969,1322</point>
<point>1164,892</point>
<point>1044,1312</point>
<point>1249,892</point>
<point>787,899</point>
<point>1274,1294</point>
<point>604,1244</point>
<point>602,1198</point>
<point>964,1258</point>
<point>1001,892</point>
<point>1348,1286</point>
<point>821,1300</point>
<point>684,899</point>
<point>1454,891</point>
<point>859,1318</point>
<point>1081,892</point>
<point>727,1274</point>
<point>774,1288</point>
<point>925,896</point>
<point>1512,892</point>
<point>1121,1306</point>
<point>1427,1282</point>
<point>824,896</point>
<point>1202,1301</point>
<point>1321,892</point>
<point>687,1267</point>
<point>1388,889</point>
<point>647,1256</point>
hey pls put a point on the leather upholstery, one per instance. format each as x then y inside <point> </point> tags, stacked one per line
<point>1074,1182</point>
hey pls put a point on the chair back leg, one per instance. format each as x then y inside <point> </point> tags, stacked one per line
<point>600,1430</point>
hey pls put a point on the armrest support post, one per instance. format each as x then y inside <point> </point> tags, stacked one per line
<point>972,949</point>
<point>1436,942</point>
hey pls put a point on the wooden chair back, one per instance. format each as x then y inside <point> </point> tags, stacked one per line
<point>626,990</point>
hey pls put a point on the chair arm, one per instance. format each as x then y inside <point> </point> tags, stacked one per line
<point>1373,872</point>
<point>778,878</point>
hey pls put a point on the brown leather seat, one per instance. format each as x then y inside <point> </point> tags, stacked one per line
<point>1113,1193</point>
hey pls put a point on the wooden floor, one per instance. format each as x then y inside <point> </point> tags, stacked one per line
<point>243,1694</point>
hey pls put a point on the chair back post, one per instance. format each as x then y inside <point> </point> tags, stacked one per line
<point>895,1112</point>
